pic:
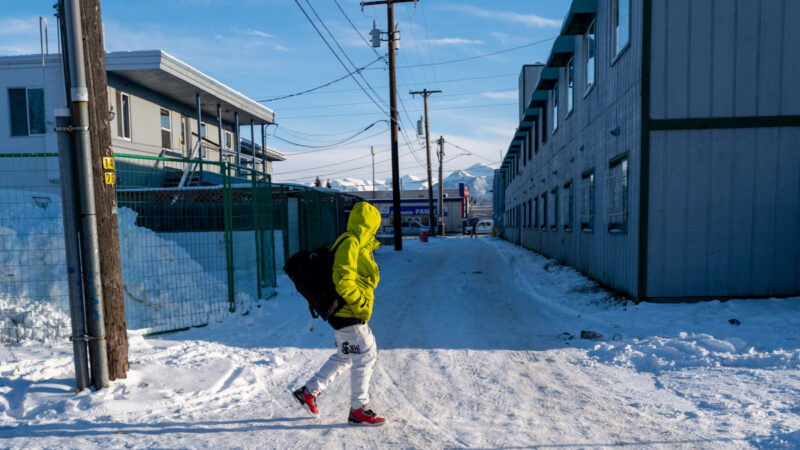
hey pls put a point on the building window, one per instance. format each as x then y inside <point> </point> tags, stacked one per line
<point>166,129</point>
<point>589,53</point>
<point>536,137</point>
<point>544,124</point>
<point>536,212</point>
<point>587,201</point>
<point>566,216</point>
<point>554,209</point>
<point>228,140</point>
<point>26,107</point>
<point>530,214</point>
<point>618,194</point>
<point>202,130</point>
<point>555,107</point>
<point>124,115</point>
<point>620,25</point>
<point>543,225</point>
<point>570,77</point>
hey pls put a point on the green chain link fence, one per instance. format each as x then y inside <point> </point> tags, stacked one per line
<point>190,254</point>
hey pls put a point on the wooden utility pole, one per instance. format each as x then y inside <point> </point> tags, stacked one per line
<point>442,227</point>
<point>431,216</point>
<point>105,189</point>
<point>398,236</point>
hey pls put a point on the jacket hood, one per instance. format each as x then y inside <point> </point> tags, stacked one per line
<point>364,221</point>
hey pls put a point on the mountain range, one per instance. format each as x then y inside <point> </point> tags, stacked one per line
<point>478,177</point>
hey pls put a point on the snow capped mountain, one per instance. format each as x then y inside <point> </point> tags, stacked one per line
<point>477,177</point>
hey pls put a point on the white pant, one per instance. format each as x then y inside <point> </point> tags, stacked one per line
<point>356,347</point>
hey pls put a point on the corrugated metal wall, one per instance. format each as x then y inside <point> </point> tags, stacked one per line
<point>724,203</point>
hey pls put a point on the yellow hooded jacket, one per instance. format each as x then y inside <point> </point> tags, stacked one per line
<point>355,273</point>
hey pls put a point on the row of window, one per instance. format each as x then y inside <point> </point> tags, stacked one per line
<point>553,210</point>
<point>26,110</point>
<point>620,36</point>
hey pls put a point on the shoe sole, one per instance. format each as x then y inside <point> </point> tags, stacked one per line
<point>305,406</point>
<point>367,424</point>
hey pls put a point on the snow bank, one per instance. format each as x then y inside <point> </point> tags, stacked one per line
<point>656,354</point>
<point>164,287</point>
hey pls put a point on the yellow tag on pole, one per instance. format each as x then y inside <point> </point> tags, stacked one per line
<point>108,164</point>
<point>111,178</point>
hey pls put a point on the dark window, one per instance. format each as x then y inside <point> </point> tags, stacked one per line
<point>536,212</point>
<point>566,215</point>
<point>124,116</point>
<point>555,107</point>
<point>570,78</point>
<point>530,214</point>
<point>587,201</point>
<point>618,194</point>
<point>554,211</point>
<point>18,109</point>
<point>166,130</point>
<point>26,108</point>
<point>544,124</point>
<point>544,211</point>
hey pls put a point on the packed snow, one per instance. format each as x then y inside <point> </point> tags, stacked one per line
<point>482,344</point>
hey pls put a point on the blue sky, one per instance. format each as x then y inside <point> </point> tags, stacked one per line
<point>267,48</point>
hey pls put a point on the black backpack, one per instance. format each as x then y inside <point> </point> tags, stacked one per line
<point>312,275</point>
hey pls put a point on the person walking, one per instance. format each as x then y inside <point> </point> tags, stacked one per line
<point>355,276</point>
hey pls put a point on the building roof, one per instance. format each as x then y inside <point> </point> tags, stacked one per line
<point>163,73</point>
<point>171,77</point>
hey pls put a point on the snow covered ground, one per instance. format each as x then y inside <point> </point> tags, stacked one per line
<point>480,346</point>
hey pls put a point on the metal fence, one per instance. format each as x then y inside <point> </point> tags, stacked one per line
<point>192,251</point>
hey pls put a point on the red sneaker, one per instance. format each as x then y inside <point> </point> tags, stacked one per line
<point>365,417</point>
<point>307,400</point>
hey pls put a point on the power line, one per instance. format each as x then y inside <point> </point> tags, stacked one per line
<point>358,70</point>
<point>455,80</point>
<point>324,148</point>
<point>335,41</point>
<point>469,58</point>
<point>328,145</point>
<point>336,55</point>
<point>488,105</point>
<point>458,94</point>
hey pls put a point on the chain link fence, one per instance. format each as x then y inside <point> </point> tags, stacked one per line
<point>195,244</point>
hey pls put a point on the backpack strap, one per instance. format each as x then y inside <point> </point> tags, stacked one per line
<point>342,238</point>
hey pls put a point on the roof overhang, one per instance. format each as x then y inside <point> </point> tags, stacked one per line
<point>547,79</point>
<point>520,135</point>
<point>531,113</point>
<point>580,15</point>
<point>526,125</point>
<point>162,73</point>
<point>563,49</point>
<point>539,99</point>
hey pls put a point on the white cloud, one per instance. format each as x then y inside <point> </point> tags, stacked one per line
<point>452,41</point>
<point>531,20</point>
<point>14,26</point>
<point>258,33</point>
<point>502,95</point>
<point>281,48</point>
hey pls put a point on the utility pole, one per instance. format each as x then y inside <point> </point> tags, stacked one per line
<point>372,149</point>
<point>441,187</point>
<point>398,236</point>
<point>107,329</point>
<point>431,216</point>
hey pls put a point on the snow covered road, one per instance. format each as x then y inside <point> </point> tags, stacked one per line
<point>479,347</point>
